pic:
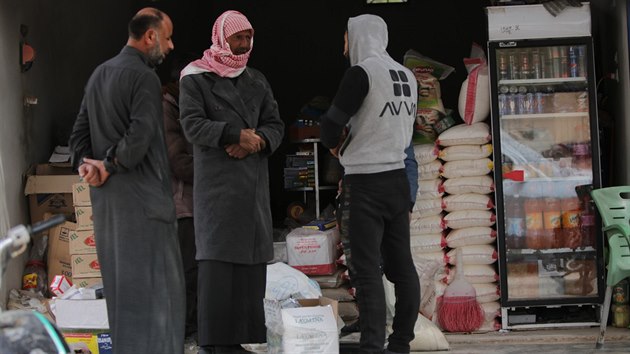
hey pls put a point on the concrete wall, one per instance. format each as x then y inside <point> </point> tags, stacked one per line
<point>70,37</point>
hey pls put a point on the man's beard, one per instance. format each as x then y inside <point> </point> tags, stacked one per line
<point>155,53</point>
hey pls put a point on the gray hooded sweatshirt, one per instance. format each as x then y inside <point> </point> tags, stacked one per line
<point>382,127</point>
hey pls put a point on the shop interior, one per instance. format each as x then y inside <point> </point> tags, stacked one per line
<point>298,47</point>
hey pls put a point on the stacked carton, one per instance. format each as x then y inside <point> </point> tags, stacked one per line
<point>49,191</point>
<point>82,247</point>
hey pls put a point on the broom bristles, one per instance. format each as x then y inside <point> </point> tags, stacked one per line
<point>460,314</point>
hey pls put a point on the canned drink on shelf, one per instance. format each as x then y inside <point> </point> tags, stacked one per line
<point>513,65</point>
<point>524,63</point>
<point>564,62</point>
<point>555,61</point>
<point>581,61</point>
<point>503,65</point>
<point>536,66</point>
<point>573,65</point>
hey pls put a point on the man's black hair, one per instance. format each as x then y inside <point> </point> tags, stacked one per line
<point>140,24</point>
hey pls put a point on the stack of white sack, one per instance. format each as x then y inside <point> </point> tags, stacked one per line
<point>426,227</point>
<point>469,216</point>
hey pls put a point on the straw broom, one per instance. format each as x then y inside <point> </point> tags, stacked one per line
<point>458,310</point>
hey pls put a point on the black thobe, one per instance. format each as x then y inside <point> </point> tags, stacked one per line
<point>134,214</point>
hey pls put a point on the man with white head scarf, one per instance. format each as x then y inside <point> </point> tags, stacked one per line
<point>229,114</point>
<point>376,104</point>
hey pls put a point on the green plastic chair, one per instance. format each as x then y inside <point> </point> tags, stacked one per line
<point>613,204</point>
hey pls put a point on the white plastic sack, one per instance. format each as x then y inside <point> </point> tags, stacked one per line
<point>474,95</point>
<point>463,134</point>
<point>428,336</point>
<point>284,280</point>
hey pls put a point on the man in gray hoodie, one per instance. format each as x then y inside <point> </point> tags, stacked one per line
<point>376,102</point>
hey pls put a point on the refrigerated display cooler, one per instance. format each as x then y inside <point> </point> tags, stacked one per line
<point>546,155</point>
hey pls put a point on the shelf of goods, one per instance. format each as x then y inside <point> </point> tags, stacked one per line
<point>544,121</point>
<point>302,172</point>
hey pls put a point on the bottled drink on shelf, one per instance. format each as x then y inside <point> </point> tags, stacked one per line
<point>588,230</point>
<point>551,218</point>
<point>521,100</point>
<point>570,206</point>
<point>573,63</point>
<point>529,103</point>
<point>524,63</point>
<point>503,65</point>
<point>582,160</point>
<point>539,102</point>
<point>515,222</point>
<point>503,104</point>
<point>534,225</point>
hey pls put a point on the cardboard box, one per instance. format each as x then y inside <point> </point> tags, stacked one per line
<point>96,343</point>
<point>81,194</point>
<point>85,266</point>
<point>87,282</point>
<point>84,217</point>
<point>534,21</point>
<point>58,250</point>
<point>49,189</point>
<point>313,252</point>
<point>59,285</point>
<point>311,328</point>
<point>82,242</point>
<point>81,314</point>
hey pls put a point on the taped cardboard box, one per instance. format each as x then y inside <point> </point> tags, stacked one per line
<point>81,194</point>
<point>84,217</point>
<point>49,189</point>
<point>87,282</point>
<point>311,328</point>
<point>58,250</point>
<point>85,266</point>
<point>82,242</point>
<point>313,252</point>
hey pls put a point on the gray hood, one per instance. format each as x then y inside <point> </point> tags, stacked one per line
<point>367,37</point>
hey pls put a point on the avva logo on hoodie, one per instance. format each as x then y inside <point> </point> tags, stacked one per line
<point>401,88</point>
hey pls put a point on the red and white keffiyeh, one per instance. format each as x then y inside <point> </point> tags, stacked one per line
<point>219,58</point>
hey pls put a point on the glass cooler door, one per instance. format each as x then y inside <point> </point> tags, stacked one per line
<point>545,137</point>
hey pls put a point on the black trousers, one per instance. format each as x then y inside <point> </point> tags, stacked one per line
<point>374,226</point>
<point>186,234</point>
<point>231,303</point>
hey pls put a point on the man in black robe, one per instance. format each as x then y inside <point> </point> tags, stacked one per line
<point>229,114</point>
<point>118,147</point>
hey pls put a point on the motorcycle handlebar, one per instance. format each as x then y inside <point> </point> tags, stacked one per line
<point>47,224</point>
